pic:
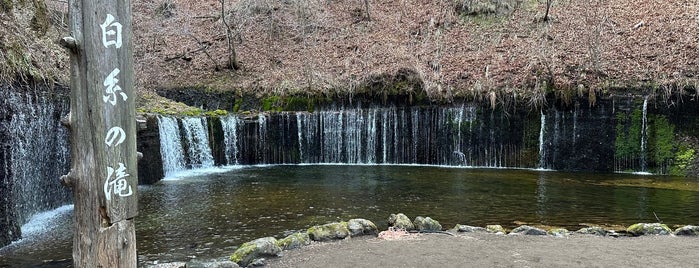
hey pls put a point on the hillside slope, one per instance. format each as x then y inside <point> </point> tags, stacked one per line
<point>488,50</point>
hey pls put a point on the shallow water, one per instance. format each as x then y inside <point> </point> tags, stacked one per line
<point>206,216</point>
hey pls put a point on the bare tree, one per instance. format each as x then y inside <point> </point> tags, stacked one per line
<point>366,8</point>
<point>232,57</point>
<point>548,9</point>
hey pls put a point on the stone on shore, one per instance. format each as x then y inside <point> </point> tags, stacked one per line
<point>527,230</point>
<point>595,230</point>
<point>358,227</point>
<point>212,264</point>
<point>400,221</point>
<point>495,228</point>
<point>689,230</point>
<point>467,229</point>
<point>330,231</point>
<point>250,251</point>
<point>426,224</point>
<point>293,241</point>
<point>649,229</point>
<point>559,232</point>
<point>168,265</point>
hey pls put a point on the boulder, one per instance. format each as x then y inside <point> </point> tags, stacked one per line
<point>426,224</point>
<point>496,228</point>
<point>359,227</point>
<point>595,230</point>
<point>527,230</point>
<point>467,229</point>
<point>559,232</point>
<point>168,265</point>
<point>212,264</point>
<point>293,241</point>
<point>649,229</point>
<point>330,231</point>
<point>688,230</point>
<point>400,221</point>
<point>250,251</point>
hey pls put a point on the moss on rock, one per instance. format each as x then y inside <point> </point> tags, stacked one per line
<point>496,228</point>
<point>649,229</point>
<point>426,224</point>
<point>400,221</point>
<point>250,251</point>
<point>330,231</point>
<point>592,231</point>
<point>467,229</point>
<point>360,227</point>
<point>559,232</point>
<point>293,241</point>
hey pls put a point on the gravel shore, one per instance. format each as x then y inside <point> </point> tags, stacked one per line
<point>490,250</point>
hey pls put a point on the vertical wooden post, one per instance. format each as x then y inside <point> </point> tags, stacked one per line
<point>102,122</point>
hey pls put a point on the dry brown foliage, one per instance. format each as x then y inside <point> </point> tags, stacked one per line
<point>330,46</point>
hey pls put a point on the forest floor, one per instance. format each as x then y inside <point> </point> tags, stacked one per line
<point>456,48</point>
<point>489,250</point>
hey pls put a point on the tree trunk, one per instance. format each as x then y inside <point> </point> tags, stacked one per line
<point>366,8</point>
<point>232,57</point>
<point>102,126</point>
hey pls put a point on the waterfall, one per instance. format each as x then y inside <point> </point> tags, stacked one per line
<point>405,135</point>
<point>171,146</point>
<point>34,154</point>
<point>644,135</point>
<point>230,138</point>
<point>198,152</point>
<point>542,152</point>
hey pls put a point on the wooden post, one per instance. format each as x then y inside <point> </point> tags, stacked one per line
<point>102,123</point>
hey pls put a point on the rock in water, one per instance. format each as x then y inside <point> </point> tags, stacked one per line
<point>528,230</point>
<point>330,231</point>
<point>400,221</point>
<point>688,230</point>
<point>250,251</point>
<point>427,224</point>
<point>293,241</point>
<point>359,227</point>
<point>649,229</point>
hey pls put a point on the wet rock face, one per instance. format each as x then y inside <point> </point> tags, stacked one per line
<point>150,167</point>
<point>400,221</point>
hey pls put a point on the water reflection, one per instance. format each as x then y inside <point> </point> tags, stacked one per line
<point>208,216</point>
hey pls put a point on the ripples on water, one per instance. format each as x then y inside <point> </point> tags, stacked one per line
<point>208,215</point>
